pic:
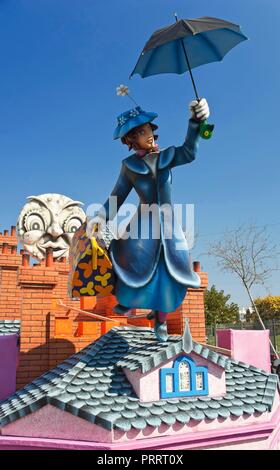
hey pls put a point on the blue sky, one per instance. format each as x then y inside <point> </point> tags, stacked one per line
<point>61,61</point>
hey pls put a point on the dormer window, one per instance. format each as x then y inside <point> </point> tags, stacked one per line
<point>184,379</point>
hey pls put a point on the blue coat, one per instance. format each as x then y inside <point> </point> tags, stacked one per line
<point>135,259</point>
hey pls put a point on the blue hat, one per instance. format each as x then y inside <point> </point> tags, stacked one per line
<point>130,119</point>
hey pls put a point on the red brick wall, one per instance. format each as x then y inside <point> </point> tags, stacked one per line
<point>51,333</point>
<point>193,309</point>
<point>9,262</point>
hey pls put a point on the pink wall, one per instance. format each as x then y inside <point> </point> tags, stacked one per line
<point>8,365</point>
<point>146,386</point>
<point>51,422</point>
<point>249,346</point>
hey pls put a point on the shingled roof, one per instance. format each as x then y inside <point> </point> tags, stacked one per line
<point>92,385</point>
<point>9,327</point>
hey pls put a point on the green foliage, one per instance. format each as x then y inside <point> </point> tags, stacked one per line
<point>269,307</point>
<point>217,308</point>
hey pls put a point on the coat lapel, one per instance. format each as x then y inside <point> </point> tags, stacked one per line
<point>136,164</point>
<point>166,157</point>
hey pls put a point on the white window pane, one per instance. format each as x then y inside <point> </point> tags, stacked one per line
<point>199,381</point>
<point>169,383</point>
<point>184,377</point>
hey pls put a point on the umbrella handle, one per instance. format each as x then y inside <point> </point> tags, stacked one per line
<point>206,130</point>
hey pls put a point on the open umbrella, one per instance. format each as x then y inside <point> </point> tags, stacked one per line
<point>187,44</point>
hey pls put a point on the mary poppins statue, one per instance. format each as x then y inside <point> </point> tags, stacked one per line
<point>152,265</point>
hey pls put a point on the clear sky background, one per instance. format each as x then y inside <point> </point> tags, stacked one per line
<point>61,61</point>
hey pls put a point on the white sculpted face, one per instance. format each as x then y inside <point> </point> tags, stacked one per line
<point>49,220</point>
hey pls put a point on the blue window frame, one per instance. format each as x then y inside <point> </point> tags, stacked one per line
<point>184,379</point>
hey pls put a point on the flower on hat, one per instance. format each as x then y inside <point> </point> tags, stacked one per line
<point>134,112</point>
<point>122,90</point>
<point>121,120</point>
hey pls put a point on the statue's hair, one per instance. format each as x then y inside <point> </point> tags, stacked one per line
<point>127,139</point>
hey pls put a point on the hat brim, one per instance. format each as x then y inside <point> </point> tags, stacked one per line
<point>136,121</point>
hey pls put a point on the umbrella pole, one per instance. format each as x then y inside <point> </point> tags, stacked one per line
<point>187,59</point>
<point>189,67</point>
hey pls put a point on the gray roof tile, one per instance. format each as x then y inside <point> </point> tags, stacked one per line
<point>240,388</point>
<point>153,421</point>
<point>249,409</point>
<point>250,385</point>
<point>132,405</point>
<point>143,412</point>
<point>266,401</point>
<point>239,394</point>
<point>228,396</point>
<point>168,418</point>
<point>123,424</point>
<point>120,399</point>
<point>260,378</point>
<point>258,398</point>
<point>173,401</point>
<point>128,414</point>
<point>252,393</point>
<point>223,412</point>
<point>226,403</point>
<point>261,408</point>
<point>138,423</point>
<point>204,398</point>
<point>237,402</point>
<point>170,408</point>
<point>160,403</point>
<point>182,417</point>
<point>109,415</point>
<point>157,411</point>
<point>236,410</point>
<point>9,327</point>
<point>211,413</point>
<point>117,407</point>
<point>197,415</point>
<point>249,400</point>
<point>201,405</point>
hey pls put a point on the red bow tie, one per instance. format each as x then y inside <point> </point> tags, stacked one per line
<point>143,152</point>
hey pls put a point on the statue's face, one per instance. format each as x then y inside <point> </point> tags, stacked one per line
<point>49,220</point>
<point>142,137</point>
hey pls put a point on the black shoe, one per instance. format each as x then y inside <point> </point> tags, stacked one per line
<point>121,310</point>
<point>151,315</point>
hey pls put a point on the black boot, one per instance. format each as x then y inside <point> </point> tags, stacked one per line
<point>121,310</point>
<point>151,315</point>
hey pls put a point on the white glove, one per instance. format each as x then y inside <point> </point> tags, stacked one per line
<point>199,109</point>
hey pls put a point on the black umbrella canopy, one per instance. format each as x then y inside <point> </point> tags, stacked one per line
<point>183,28</point>
<point>187,44</point>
